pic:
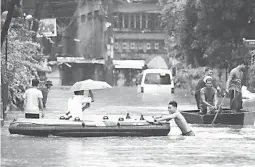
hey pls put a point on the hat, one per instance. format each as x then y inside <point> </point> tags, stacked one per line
<point>49,83</point>
<point>208,78</point>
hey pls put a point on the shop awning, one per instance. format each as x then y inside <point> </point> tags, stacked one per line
<point>78,60</point>
<point>130,64</point>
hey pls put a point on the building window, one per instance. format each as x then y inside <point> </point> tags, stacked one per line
<point>132,21</point>
<point>150,19</point>
<point>137,16</point>
<point>126,20</point>
<point>116,21</point>
<point>157,21</point>
<point>144,21</point>
<point>120,20</point>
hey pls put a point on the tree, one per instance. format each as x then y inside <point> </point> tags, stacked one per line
<point>212,31</point>
<point>11,6</point>
<point>24,58</point>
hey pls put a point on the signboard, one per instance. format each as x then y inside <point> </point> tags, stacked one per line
<point>250,44</point>
<point>78,60</point>
<point>47,27</point>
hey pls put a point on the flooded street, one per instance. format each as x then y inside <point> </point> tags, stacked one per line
<point>212,146</point>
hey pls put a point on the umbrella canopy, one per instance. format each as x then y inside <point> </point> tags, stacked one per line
<point>89,85</point>
<point>157,62</point>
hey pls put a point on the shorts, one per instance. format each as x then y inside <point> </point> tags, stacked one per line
<point>190,133</point>
<point>32,116</point>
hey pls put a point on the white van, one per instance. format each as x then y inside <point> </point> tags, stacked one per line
<point>155,81</point>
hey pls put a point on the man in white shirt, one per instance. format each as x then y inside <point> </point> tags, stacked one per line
<point>33,101</point>
<point>78,103</point>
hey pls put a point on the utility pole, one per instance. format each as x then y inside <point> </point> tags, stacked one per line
<point>110,42</point>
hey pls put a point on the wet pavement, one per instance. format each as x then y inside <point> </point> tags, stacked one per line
<point>212,146</point>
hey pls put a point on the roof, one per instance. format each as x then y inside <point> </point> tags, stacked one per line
<point>129,64</point>
<point>156,70</point>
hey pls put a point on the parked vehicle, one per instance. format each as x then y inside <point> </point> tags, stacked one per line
<point>155,81</point>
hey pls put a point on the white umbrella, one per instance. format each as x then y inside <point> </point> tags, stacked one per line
<point>90,85</point>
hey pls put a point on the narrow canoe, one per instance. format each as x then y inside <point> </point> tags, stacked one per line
<point>225,118</point>
<point>102,128</point>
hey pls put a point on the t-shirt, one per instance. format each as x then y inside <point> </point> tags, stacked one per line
<point>75,105</point>
<point>32,96</point>
<point>209,95</point>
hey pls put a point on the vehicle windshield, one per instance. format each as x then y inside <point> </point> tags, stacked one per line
<point>157,78</point>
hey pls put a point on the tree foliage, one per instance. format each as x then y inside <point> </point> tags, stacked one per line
<point>23,59</point>
<point>209,32</point>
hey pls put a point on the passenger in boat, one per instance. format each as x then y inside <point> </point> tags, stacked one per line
<point>178,118</point>
<point>78,103</point>
<point>234,87</point>
<point>33,101</point>
<point>201,84</point>
<point>208,95</point>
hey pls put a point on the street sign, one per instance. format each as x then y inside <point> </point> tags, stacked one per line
<point>249,43</point>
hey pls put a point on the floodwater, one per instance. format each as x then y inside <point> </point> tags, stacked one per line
<point>212,146</point>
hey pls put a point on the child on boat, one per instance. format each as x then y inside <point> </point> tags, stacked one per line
<point>78,103</point>
<point>178,118</point>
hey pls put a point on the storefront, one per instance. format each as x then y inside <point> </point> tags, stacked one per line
<point>73,69</point>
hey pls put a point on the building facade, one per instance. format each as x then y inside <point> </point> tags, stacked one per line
<point>138,36</point>
<point>123,34</point>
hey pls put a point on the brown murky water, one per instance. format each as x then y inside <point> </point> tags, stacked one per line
<point>212,146</point>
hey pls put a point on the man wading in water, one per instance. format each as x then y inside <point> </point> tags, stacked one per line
<point>178,118</point>
<point>234,87</point>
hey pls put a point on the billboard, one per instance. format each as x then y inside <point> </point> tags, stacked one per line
<point>47,27</point>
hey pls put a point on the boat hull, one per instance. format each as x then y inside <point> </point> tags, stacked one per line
<point>89,129</point>
<point>225,118</point>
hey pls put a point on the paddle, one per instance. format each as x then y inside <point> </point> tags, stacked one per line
<point>217,112</point>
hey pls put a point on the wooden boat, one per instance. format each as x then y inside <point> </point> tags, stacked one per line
<point>102,128</point>
<point>226,117</point>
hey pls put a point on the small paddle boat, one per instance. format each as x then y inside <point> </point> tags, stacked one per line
<point>88,128</point>
<point>226,117</point>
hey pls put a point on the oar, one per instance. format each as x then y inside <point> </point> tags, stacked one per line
<point>217,112</point>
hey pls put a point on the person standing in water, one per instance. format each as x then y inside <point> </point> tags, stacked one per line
<point>234,87</point>
<point>33,101</point>
<point>178,118</point>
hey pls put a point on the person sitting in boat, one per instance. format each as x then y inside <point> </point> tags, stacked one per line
<point>178,118</point>
<point>78,103</point>
<point>201,84</point>
<point>33,101</point>
<point>208,95</point>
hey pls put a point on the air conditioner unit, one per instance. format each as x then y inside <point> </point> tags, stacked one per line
<point>124,45</point>
<point>116,46</point>
<point>156,46</point>
<point>132,46</point>
<point>148,46</point>
<point>140,46</point>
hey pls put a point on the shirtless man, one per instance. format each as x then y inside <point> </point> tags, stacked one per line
<point>178,118</point>
<point>234,87</point>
